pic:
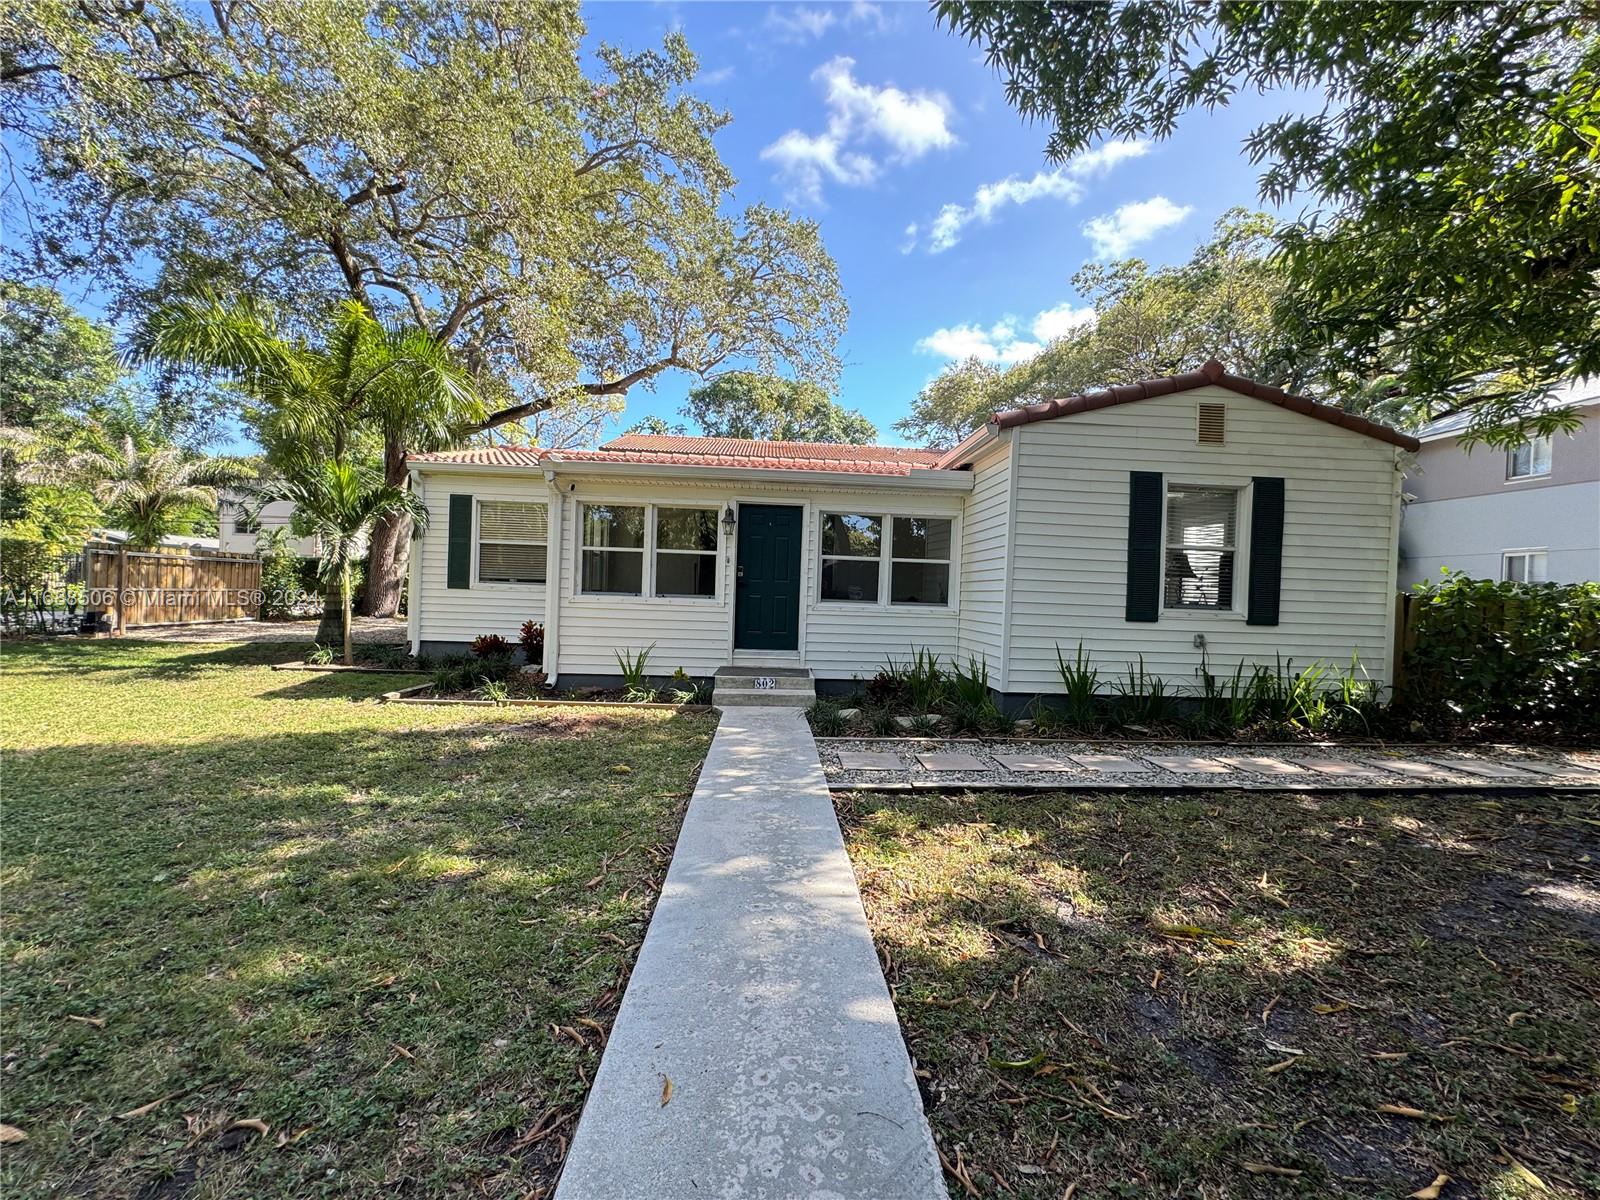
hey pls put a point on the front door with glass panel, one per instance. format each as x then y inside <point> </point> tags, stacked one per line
<point>766,609</point>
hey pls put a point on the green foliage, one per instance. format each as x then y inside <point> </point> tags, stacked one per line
<point>1141,696</point>
<point>882,721</point>
<point>825,717</point>
<point>495,690</point>
<point>149,490</point>
<point>924,681</point>
<point>634,669</point>
<point>280,573</point>
<point>491,645</point>
<point>1488,651</point>
<point>1080,680</point>
<point>569,234</point>
<point>970,704</point>
<point>1453,149</point>
<point>1146,323</point>
<point>320,655</point>
<point>744,404</point>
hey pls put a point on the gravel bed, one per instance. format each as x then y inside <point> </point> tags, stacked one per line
<point>1549,768</point>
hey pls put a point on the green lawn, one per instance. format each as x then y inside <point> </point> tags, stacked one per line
<point>1116,995</point>
<point>391,934</point>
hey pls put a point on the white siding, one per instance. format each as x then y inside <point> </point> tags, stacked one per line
<point>447,614</point>
<point>985,545</point>
<point>275,514</point>
<point>1069,561</point>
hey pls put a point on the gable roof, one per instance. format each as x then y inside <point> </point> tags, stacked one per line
<point>1210,375</point>
<point>735,453</point>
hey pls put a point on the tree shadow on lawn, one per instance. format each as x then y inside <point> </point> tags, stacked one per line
<point>143,660</point>
<point>1187,987</point>
<point>383,942</point>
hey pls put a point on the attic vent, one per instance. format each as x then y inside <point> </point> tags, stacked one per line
<point>1209,423</point>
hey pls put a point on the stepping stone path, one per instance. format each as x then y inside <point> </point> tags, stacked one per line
<point>1337,766</point>
<point>956,761</point>
<point>1022,762</point>
<point>1114,763</point>
<point>1186,765</point>
<point>1264,766</point>
<point>870,761</point>
<point>1484,768</point>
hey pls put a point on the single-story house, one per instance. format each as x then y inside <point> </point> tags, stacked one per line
<point>242,518</point>
<point>1530,513</point>
<point>1196,515</point>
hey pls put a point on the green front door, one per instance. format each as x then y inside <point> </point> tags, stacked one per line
<point>766,607</point>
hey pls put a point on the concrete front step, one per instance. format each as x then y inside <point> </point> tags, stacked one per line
<point>785,686</point>
<point>726,697</point>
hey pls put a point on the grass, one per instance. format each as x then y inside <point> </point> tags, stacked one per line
<point>1111,995</point>
<point>393,935</point>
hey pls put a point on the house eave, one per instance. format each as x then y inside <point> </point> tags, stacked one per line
<point>919,479</point>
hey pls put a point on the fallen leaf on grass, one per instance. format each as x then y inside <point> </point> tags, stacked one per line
<point>1515,1017</point>
<point>1405,1110</point>
<point>1256,1168</point>
<point>666,1090</point>
<point>1018,1064</point>
<point>97,1022</point>
<point>1323,1010</point>
<point>10,1135</point>
<point>1194,933</point>
<point>1433,1191</point>
<point>1390,1055</point>
<point>1282,1066</point>
<point>146,1108</point>
<point>255,1123</point>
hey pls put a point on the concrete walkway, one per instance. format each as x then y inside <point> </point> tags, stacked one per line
<point>758,995</point>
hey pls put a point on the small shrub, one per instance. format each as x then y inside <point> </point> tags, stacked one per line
<point>633,668</point>
<point>492,668</point>
<point>924,682</point>
<point>971,706</point>
<point>320,655</point>
<point>491,645</point>
<point>686,690</point>
<point>388,657</point>
<point>496,690</point>
<point>881,720</point>
<point>825,718</point>
<point>640,695</point>
<point>925,725</point>
<point>447,680</point>
<point>1080,680</point>
<point>1142,697</point>
<point>887,688</point>
<point>531,639</point>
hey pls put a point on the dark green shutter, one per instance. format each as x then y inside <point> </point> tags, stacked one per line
<point>1266,550</point>
<point>458,570</point>
<point>1145,498</point>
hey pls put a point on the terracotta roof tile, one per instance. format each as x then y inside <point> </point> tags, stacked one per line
<point>705,452</point>
<point>744,448</point>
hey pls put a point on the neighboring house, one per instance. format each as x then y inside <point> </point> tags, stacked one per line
<point>1197,515</point>
<point>173,542</point>
<point>1530,514</point>
<point>240,520</point>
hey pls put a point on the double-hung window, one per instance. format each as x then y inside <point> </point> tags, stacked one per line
<point>1529,460</point>
<point>649,550</point>
<point>861,553</point>
<point>686,552</point>
<point>1202,524</point>
<point>244,521</point>
<point>513,541</point>
<point>613,549</point>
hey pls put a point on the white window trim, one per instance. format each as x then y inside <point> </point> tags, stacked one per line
<point>886,560</point>
<point>1532,475</point>
<point>647,577</point>
<point>478,540</point>
<point>1241,550</point>
<point>1523,552</point>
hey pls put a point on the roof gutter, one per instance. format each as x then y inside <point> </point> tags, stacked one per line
<point>971,446</point>
<point>926,479</point>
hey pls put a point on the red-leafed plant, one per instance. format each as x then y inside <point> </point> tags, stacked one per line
<point>491,645</point>
<point>532,641</point>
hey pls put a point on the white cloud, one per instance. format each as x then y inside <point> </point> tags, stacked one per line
<point>910,124</point>
<point>1062,183</point>
<point>1115,234</point>
<point>1061,320</point>
<point>1001,343</point>
<point>863,12</point>
<point>797,23</point>
<point>720,75</point>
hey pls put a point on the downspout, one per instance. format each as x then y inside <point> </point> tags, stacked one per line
<point>555,556</point>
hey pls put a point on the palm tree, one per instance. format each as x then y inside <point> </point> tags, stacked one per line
<point>147,490</point>
<point>339,503</point>
<point>367,382</point>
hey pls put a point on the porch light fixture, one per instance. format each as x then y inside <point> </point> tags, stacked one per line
<point>729,520</point>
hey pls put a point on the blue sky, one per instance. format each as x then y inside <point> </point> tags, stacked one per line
<point>871,120</point>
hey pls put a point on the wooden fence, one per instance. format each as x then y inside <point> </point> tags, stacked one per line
<point>174,589</point>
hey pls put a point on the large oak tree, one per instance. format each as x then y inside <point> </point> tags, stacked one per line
<point>569,236</point>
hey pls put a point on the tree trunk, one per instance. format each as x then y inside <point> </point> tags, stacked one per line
<point>328,626</point>
<point>344,596</point>
<point>388,544</point>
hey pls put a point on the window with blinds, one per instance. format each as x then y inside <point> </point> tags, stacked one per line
<point>513,541</point>
<point>1202,524</point>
